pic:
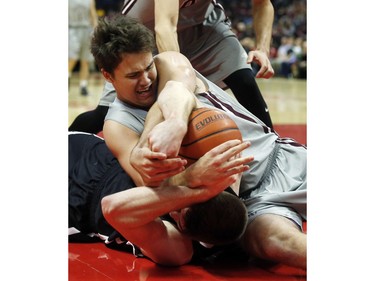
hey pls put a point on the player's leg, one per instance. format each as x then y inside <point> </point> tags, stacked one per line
<point>245,89</point>
<point>90,121</point>
<point>73,53</point>
<point>276,238</point>
<point>85,59</point>
<point>84,72</point>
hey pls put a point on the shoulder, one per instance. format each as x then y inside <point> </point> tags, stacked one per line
<point>126,115</point>
<point>170,58</point>
<point>174,66</point>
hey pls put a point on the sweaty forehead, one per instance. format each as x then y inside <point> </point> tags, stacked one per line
<point>141,56</point>
<point>136,62</point>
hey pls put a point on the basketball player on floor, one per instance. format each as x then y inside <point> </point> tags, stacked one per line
<point>161,91</point>
<point>201,31</point>
<point>100,190</point>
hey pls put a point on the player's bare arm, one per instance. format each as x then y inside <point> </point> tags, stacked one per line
<point>263,15</point>
<point>177,83</point>
<point>153,167</point>
<point>218,167</point>
<point>166,19</point>
<point>135,214</point>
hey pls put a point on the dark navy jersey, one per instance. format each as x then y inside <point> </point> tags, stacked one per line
<point>93,173</point>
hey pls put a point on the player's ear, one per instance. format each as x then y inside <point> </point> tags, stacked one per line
<point>179,218</point>
<point>182,218</point>
<point>107,76</point>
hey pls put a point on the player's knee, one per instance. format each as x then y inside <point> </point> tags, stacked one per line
<point>271,237</point>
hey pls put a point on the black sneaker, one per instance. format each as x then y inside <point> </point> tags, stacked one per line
<point>84,91</point>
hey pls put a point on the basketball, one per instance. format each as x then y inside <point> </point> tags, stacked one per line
<point>207,128</point>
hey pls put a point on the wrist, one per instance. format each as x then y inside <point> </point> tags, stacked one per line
<point>191,180</point>
<point>184,178</point>
<point>262,49</point>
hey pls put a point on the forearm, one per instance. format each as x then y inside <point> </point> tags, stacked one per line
<point>176,101</point>
<point>217,169</point>
<point>177,84</point>
<point>166,122</point>
<point>139,206</point>
<point>154,117</point>
<point>135,214</point>
<point>166,39</point>
<point>263,16</point>
<point>166,19</point>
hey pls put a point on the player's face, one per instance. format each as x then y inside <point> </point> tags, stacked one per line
<point>134,80</point>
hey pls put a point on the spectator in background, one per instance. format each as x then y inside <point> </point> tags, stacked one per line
<point>289,21</point>
<point>284,56</point>
<point>289,62</point>
<point>300,68</point>
<point>107,8</point>
<point>82,20</point>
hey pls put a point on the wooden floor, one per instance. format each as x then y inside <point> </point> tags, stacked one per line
<point>286,98</point>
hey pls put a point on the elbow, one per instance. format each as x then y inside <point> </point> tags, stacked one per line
<point>108,209</point>
<point>177,259</point>
<point>183,258</point>
<point>119,213</point>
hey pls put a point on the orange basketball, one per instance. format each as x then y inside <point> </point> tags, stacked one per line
<point>207,128</point>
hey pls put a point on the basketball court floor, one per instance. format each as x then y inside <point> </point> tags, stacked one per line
<point>286,99</point>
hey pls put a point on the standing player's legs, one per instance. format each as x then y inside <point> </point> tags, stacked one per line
<point>86,58</point>
<point>245,89</point>
<point>84,73</point>
<point>224,63</point>
<point>74,46</point>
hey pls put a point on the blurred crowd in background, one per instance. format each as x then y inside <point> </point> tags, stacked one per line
<point>288,52</point>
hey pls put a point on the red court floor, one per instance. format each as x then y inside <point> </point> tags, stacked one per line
<point>97,262</point>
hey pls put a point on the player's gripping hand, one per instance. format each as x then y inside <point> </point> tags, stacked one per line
<point>219,167</point>
<point>154,167</point>
<point>166,137</point>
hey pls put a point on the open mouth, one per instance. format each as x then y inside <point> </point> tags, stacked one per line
<point>146,91</point>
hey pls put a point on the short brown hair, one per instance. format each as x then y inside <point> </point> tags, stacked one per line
<point>220,220</point>
<point>116,36</point>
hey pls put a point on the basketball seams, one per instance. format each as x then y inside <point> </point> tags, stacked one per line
<point>200,113</point>
<point>208,135</point>
<point>207,128</point>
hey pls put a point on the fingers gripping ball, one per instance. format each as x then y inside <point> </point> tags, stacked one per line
<point>207,128</point>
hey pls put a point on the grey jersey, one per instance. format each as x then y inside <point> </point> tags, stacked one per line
<point>192,12</point>
<point>205,38</point>
<point>264,141</point>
